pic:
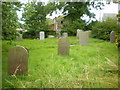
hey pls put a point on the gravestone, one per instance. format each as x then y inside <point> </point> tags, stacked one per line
<point>19,38</point>
<point>65,35</point>
<point>78,31</point>
<point>84,38</point>
<point>42,35</point>
<point>63,46</point>
<point>112,36</point>
<point>18,61</point>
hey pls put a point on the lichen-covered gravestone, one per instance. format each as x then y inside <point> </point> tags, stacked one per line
<point>78,31</point>
<point>84,38</point>
<point>18,61</point>
<point>19,37</point>
<point>42,35</point>
<point>63,46</point>
<point>112,36</point>
<point>65,35</point>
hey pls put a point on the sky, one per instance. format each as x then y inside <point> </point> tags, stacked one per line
<point>109,8</point>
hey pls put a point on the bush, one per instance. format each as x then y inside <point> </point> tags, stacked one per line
<point>102,30</point>
<point>71,28</point>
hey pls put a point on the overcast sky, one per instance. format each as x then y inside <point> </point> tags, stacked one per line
<point>110,8</point>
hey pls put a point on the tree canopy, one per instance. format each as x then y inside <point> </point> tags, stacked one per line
<point>9,19</point>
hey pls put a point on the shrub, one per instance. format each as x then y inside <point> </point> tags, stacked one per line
<point>102,30</point>
<point>72,27</point>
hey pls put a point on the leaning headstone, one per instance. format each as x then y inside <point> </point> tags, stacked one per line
<point>19,38</point>
<point>78,31</point>
<point>63,46</point>
<point>42,35</point>
<point>65,34</point>
<point>84,38</point>
<point>112,36</point>
<point>18,61</point>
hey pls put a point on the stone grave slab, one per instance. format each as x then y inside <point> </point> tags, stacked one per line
<point>42,35</point>
<point>63,46</point>
<point>18,61</point>
<point>84,38</point>
<point>112,36</point>
<point>65,35</point>
<point>19,38</point>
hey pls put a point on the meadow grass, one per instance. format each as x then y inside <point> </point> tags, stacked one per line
<point>92,66</point>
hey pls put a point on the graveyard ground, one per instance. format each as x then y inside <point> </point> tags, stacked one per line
<point>93,66</point>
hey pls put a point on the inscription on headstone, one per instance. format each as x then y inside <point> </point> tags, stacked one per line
<point>42,35</point>
<point>112,36</point>
<point>84,38</point>
<point>63,46</point>
<point>18,61</point>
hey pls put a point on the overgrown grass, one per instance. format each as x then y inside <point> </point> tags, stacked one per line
<point>92,66</point>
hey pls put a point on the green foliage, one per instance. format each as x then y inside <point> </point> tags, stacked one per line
<point>34,17</point>
<point>74,11</point>
<point>102,30</point>
<point>72,27</point>
<point>89,26</point>
<point>9,19</point>
<point>118,40</point>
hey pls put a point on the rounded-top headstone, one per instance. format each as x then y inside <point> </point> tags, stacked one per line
<point>112,36</point>
<point>63,46</point>
<point>18,61</point>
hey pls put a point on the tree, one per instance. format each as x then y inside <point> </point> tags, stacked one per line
<point>9,19</point>
<point>102,30</point>
<point>34,16</point>
<point>73,11</point>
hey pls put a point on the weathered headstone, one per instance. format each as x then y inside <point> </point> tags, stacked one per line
<point>65,34</point>
<point>84,38</point>
<point>18,61</point>
<point>78,31</point>
<point>19,38</point>
<point>63,46</point>
<point>112,36</point>
<point>42,35</point>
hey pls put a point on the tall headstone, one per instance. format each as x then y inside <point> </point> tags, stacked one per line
<point>19,38</point>
<point>42,35</point>
<point>78,31</point>
<point>112,36</point>
<point>63,46</point>
<point>84,38</point>
<point>65,34</point>
<point>18,61</point>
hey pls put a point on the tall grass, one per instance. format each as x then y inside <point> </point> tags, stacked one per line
<point>92,66</point>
